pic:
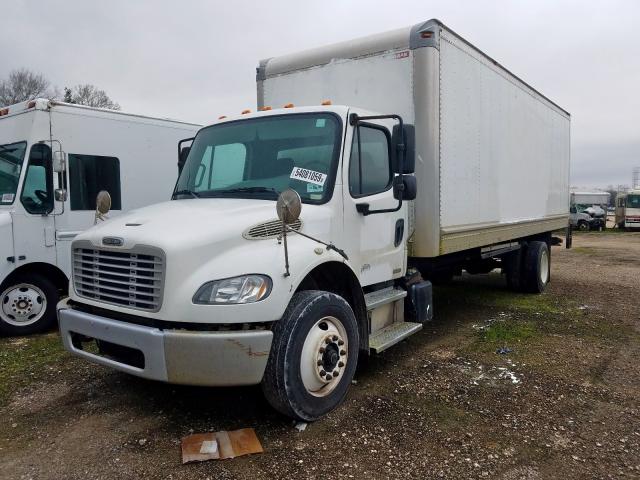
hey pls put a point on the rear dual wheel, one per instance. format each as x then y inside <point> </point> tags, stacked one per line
<point>528,269</point>
<point>313,356</point>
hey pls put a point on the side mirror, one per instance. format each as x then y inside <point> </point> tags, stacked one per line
<point>59,161</point>
<point>60,194</point>
<point>405,187</point>
<point>408,138</point>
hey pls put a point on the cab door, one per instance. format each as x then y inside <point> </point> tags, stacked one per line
<point>33,224</point>
<point>376,240</point>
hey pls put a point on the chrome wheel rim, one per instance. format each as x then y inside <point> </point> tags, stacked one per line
<point>324,357</point>
<point>544,267</point>
<point>23,304</point>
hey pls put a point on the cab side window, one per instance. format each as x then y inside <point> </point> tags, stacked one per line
<point>88,175</point>
<point>37,192</point>
<point>370,171</point>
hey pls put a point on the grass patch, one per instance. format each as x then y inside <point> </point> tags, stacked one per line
<point>493,296</point>
<point>24,360</point>
<point>508,331</point>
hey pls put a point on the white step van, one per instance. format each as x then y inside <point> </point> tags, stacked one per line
<point>299,238</point>
<point>54,159</point>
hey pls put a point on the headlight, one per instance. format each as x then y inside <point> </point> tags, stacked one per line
<point>244,289</point>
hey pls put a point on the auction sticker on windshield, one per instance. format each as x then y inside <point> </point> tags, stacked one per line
<point>309,176</point>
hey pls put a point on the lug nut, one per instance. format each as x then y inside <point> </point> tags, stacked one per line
<point>329,376</point>
<point>322,372</point>
<point>341,364</point>
<point>336,373</point>
<point>343,352</point>
<point>319,362</point>
<point>335,338</point>
<point>327,341</point>
<point>321,350</point>
<point>340,342</point>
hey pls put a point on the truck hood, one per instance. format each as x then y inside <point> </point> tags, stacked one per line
<point>192,223</point>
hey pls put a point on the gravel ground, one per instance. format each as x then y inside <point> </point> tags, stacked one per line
<point>564,403</point>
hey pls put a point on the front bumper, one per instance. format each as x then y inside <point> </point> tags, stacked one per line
<point>176,356</point>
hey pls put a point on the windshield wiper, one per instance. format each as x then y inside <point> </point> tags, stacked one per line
<point>244,190</point>
<point>185,192</point>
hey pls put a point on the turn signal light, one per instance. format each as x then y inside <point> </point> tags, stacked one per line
<point>289,105</point>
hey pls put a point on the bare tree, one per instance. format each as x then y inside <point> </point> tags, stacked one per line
<point>91,96</point>
<point>23,85</point>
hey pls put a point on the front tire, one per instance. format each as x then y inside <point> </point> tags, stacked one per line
<point>28,305</point>
<point>313,357</point>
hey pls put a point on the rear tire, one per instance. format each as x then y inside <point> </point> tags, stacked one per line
<point>318,333</point>
<point>28,305</point>
<point>537,267</point>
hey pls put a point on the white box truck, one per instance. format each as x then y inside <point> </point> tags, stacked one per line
<point>54,159</point>
<point>299,238</point>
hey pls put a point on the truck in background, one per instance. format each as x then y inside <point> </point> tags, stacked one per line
<point>300,238</point>
<point>628,209</point>
<point>588,210</point>
<point>54,159</point>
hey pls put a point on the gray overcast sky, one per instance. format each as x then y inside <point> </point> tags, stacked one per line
<point>195,60</point>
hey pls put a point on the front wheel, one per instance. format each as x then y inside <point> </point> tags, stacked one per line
<point>313,356</point>
<point>28,305</point>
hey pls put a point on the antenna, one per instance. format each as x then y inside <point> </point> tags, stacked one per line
<point>635,182</point>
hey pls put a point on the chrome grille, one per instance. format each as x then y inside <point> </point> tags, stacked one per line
<point>129,278</point>
<point>269,229</point>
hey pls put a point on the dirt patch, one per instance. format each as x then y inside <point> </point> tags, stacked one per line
<point>562,403</point>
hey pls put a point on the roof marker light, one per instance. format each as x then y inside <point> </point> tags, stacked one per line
<point>222,117</point>
<point>326,102</point>
<point>4,111</point>
<point>244,112</point>
<point>31,104</point>
<point>289,105</point>
<point>264,109</point>
<point>426,34</point>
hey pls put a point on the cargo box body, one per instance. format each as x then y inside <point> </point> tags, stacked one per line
<point>492,153</point>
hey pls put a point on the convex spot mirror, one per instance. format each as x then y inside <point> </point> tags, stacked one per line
<point>289,206</point>
<point>405,187</point>
<point>60,194</point>
<point>408,137</point>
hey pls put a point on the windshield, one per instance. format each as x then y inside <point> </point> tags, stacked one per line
<point>261,157</point>
<point>633,201</point>
<point>11,156</point>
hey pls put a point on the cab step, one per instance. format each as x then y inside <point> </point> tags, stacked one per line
<point>392,334</point>
<point>382,297</point>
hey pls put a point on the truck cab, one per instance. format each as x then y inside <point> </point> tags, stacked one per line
<point>203,280</point>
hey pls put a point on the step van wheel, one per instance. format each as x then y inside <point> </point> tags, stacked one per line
<point>313,356</point>
<point>28,305</point>
<point>536,267</point>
